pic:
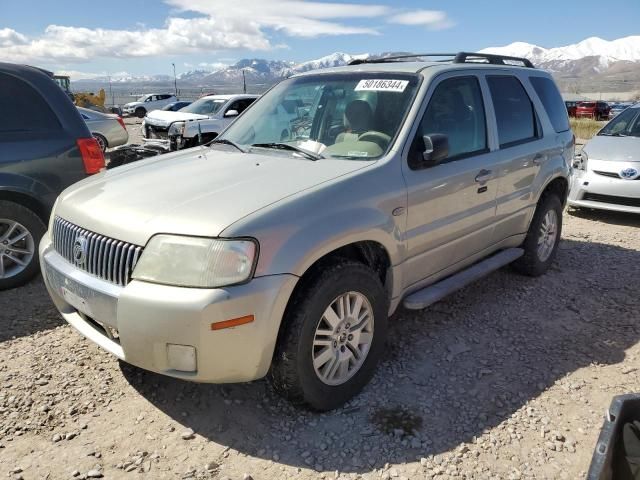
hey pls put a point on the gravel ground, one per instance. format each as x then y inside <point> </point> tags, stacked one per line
<point>506,379</point>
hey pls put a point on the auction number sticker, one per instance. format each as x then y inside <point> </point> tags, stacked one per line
<point>378,85</point>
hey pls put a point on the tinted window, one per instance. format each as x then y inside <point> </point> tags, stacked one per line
<point>552,102</point>
<point>23,108</point>
<point>515,115</point>
<point>456,110</point>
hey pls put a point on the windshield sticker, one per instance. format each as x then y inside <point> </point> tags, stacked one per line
<point>357,154</point>
<point>375,85</point>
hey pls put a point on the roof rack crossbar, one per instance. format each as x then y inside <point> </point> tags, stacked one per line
<point>460,57</point>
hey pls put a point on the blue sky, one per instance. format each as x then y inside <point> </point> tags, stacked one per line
<point>146,36</point>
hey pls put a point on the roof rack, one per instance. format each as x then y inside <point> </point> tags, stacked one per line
<point>460,57</point>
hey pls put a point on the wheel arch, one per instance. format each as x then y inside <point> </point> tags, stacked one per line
<point>558,186</point>
<point>27,200</point>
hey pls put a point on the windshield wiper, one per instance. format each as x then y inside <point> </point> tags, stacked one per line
<point>293,148</point>
<point>225,141</point>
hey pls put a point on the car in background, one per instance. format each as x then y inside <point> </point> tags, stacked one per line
<point>571,108</point>
<point>147,103</point>
<point>196,124</point>
<point>108,129</point>
<point>596,110</point>
<point>45,146</point>
<point>617,108</point>
<point>606,174</point>
<point>175,106</point>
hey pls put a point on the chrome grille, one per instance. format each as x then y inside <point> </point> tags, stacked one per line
<point>104,257</point>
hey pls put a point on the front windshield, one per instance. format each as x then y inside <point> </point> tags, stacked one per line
<point>349,115</point>
<point>205,106</point>
<point>625,124</point>
<point>143,98</point>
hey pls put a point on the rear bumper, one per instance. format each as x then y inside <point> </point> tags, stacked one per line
<point>142,322</point>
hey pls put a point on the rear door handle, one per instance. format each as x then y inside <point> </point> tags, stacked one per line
<point>484,176</point>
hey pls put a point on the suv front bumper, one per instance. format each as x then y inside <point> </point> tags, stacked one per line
<point>143,323</point>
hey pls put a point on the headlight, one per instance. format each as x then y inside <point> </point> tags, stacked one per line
<point>196,261</point>
<point>176,128</point>
<point>580,160</point>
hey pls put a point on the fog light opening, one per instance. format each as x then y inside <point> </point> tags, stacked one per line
<point>181,358</point>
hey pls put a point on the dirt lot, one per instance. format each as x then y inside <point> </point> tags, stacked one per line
<point>508,378</point>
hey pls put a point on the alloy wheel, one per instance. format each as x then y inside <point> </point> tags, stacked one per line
<point>17,248</point>
<point>343,338</point>
<point>548,235</point>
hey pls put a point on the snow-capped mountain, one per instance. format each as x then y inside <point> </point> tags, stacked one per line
<point>593,60</point>
<point>608,52</point>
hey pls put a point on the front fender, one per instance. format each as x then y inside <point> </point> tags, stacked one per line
<point>298,231</point>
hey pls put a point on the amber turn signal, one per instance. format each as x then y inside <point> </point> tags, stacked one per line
<point>232,323</point>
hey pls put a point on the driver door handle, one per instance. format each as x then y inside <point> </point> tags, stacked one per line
<point>484,176</point>
<point>538,158</point>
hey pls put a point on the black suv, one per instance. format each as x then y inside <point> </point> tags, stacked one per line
<point>45,146</point>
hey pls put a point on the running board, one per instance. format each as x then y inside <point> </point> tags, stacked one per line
<point>433,293</point>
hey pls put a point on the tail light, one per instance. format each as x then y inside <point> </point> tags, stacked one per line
<point>91,155</point>
<point>121,122</point>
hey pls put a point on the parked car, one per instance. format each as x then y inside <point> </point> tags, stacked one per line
<point>175,106</point>
<point>197,123</point>
<point>606,173</point>
<point>285,257</point>
<point>595,110</point>
<point>44,147</point>
<point>147,103</point>
<point>571,108</point>
<point>617,108</point>
<point>108,129</point>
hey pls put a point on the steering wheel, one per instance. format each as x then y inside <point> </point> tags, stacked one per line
<point>382,139</point>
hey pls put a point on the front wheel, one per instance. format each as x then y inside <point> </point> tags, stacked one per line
<point>20,232</point>
<point>541,243</point>
<point>332,337</point>
<point>140,112</point>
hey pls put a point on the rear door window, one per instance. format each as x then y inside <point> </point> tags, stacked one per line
<point>23,108</point>
<point>515,115</point>
<point>552,102</point>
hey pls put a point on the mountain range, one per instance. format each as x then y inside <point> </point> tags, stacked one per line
<point>593,64</point>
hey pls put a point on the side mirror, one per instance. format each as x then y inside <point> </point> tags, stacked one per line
<point>436,149</point>
<point>231,113</point>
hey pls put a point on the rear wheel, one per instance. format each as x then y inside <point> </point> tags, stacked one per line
<point>102,141</point>
<point>541,244</point>
<point>332,337</point>
<point>20,233</point>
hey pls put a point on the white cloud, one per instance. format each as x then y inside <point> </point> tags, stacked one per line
<point>432,19</point>
<point>221,26</point>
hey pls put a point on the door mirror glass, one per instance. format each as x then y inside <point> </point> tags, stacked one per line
<point>436,149</point>
<point>231,113</point>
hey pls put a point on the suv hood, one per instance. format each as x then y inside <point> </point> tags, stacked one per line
<point>163,118</point>
<point>615,149</point>
<point>199,191</point>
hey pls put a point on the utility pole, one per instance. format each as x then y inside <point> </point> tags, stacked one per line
<point>175,80</point>
<point>244,82</point>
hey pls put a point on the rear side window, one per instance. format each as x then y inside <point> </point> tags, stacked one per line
<point>515,115</point>
<point>552,102</point>
<point>23,108</point>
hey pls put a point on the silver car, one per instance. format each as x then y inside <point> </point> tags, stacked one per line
<point>606,174</point>
<point>108,129</point>
<point>258,255</point>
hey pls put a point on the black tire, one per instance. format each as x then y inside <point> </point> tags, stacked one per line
<point>292,373</point>
<point>102,141</point>
<point>30,221</point>
<point>530,263</point>
<point>141,112</point>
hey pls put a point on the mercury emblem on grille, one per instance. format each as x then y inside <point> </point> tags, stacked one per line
<point>80,250</point>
